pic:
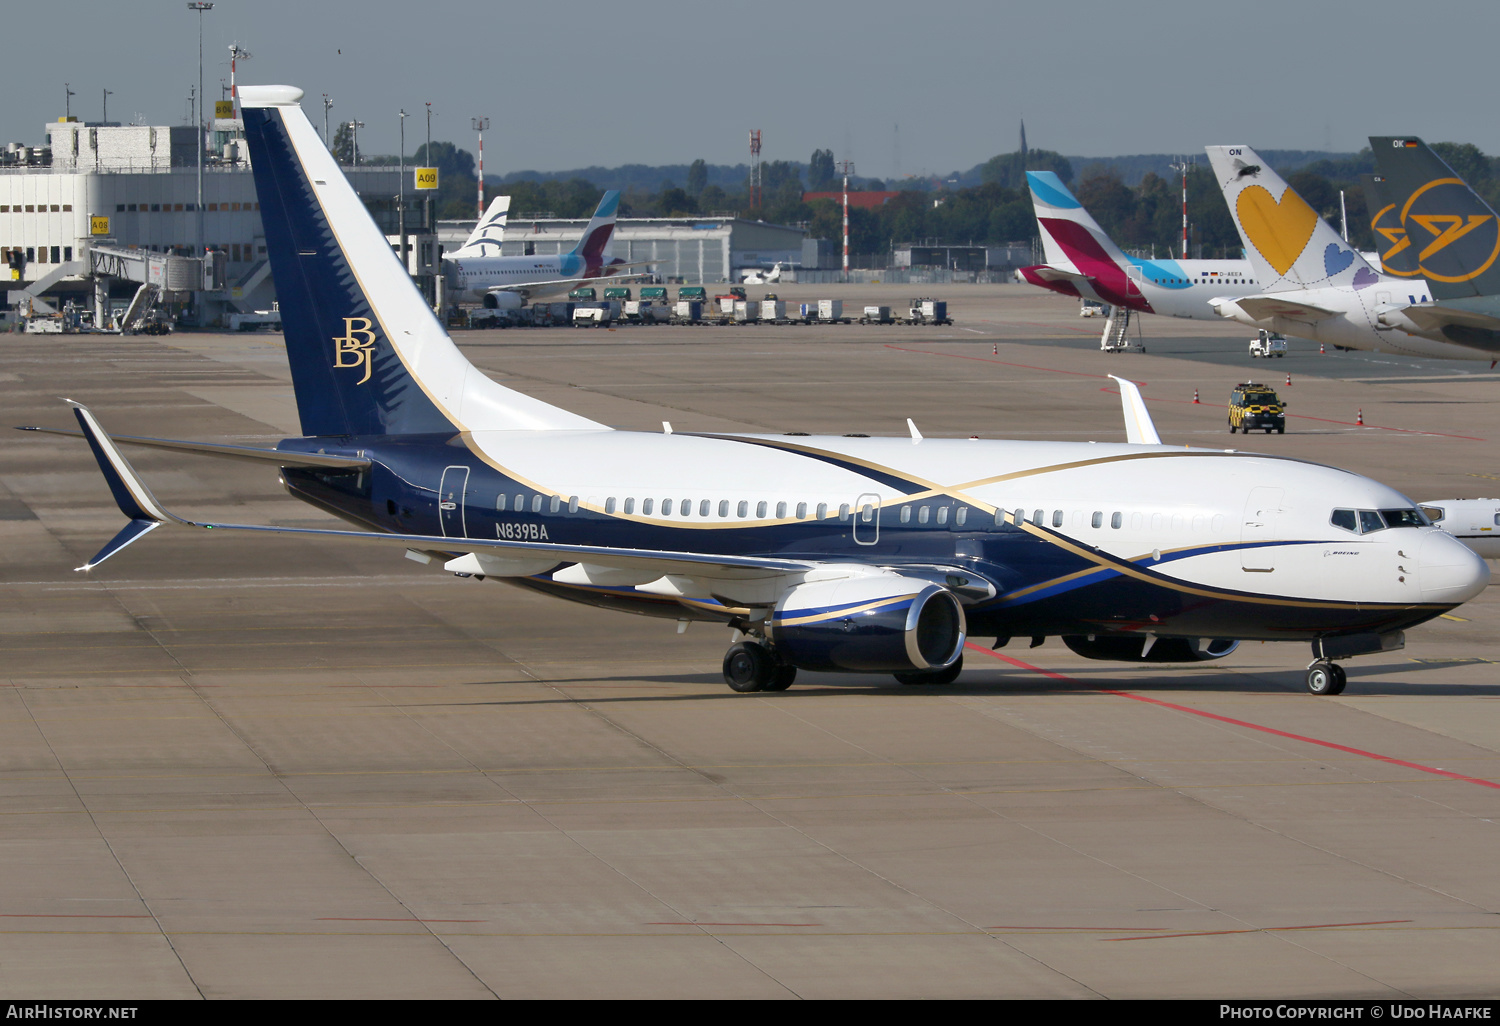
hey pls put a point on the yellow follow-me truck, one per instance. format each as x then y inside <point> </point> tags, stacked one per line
<point>1256,406</point>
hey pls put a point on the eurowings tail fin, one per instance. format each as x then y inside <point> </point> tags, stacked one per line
<point>367,354</point>
<point>596,246</point>
<point>489,233</point>
<point>1454,233</point>
<point>1069,233</point>
<point>1288,244</point>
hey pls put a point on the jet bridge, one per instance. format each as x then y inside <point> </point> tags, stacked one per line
<point>155,273</point>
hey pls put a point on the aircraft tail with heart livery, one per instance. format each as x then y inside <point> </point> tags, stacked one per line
<point>1291,247</point>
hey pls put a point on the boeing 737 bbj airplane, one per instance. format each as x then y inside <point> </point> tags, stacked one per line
<point>822,553</point>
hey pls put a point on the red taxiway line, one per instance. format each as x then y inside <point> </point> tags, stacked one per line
<point>1240,723</point>
<point>1262,929</point>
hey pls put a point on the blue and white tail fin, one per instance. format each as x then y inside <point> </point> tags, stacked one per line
<point>597,245</point>
<point>489,233</point>
<point>1288,244</point>
<point>367,355</point>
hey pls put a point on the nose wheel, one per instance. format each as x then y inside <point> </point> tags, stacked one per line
<point>1325,678</point>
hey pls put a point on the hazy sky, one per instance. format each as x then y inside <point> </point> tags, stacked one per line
<point>661,81</point>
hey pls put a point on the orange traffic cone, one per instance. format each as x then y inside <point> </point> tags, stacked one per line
<point>1195,395</point>
<point>1320,349</point>
<point>1288,379</point>
<point>1360,419</point>
<point>995,349</point>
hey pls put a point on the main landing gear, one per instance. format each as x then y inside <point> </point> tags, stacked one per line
<point>1326,678</point>
<point>750,666</point>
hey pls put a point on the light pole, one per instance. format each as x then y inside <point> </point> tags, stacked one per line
<point>480,124</point>
<point>1183,165</point>
<point>354,127</point>
<point>68,101</point>
<point>327,139</point>
<point>427,156</point>
<point>401,194</point>
<point>105,119</point>
<point>200,6</point>
<point>236,53</point>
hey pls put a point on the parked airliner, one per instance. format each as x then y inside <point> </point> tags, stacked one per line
<point>509,282</point>
<point>821,553</point>
<point>1084,261</point>
<point>1314,284</point>
<point>489,233</point>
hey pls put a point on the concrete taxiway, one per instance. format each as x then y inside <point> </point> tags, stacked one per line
<point>273,767</point>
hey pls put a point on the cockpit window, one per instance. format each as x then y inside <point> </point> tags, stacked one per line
<point>1370,521</point>
<point>1344,518</point>
<point>1403,518</point>
<point>1434,513</point>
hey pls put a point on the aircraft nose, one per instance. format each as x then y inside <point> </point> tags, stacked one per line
<point>1448,571</point>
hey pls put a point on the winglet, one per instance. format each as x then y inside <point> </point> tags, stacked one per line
<point>916,436</point>
<point>131,494</point>
<point>1139,429</point>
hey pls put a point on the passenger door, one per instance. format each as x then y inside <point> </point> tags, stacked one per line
<point>451,502</point>
<point>1259,524</point>
<point>866,514</point>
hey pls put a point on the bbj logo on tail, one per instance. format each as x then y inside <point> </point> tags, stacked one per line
<point>351,352</point>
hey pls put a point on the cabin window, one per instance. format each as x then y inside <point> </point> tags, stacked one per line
<point>1057,518</point>
<point>1344,518</point>
<point>999,518</point>
<point>723,507</point>
<point>1117,520</point>
<point>1018,517</point>
<point>781,511</point>
<point>906,514</point>
<point>705,504</point>
<point>961,515</point>
<point>556,504</point>
<point>942,514</point>
<point>867,513</point>
<point>743,509</point>
<point>536,503</point>
<point>923,513</point>
<point>646,505</point>
<point>844,511</point>
<point>760,511</point>
<point>573,503</point>
<point>1200,522</point>
<point>1037,516</point>
<point>500,501</point>
<point>801,511</point>
<point>630,506</point>
<point>609,504</point>
<point>1156,521</point>
<point>822,511</point>
<point>1137,521</point>
<point>1098,520</point>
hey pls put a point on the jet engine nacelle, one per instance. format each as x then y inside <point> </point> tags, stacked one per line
<point>1127,648</point>
<point>880,624</point>
<point>502,301</point>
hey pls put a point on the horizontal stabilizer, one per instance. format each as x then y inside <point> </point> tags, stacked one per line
<point>232,452</point>
<point>1263,308</point>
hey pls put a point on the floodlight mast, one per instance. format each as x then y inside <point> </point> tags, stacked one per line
<point>1184,164</point>
<point>199,6</point>
<point>847,169</point>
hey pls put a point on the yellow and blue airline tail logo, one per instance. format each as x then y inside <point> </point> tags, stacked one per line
<point>1453,234</point>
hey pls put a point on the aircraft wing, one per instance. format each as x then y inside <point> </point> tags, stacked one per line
<point>1266,306</point>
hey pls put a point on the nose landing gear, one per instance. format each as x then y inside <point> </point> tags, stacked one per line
<point>1326,678</point>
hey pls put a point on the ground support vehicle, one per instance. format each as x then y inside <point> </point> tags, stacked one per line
<point>1253,406</point>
